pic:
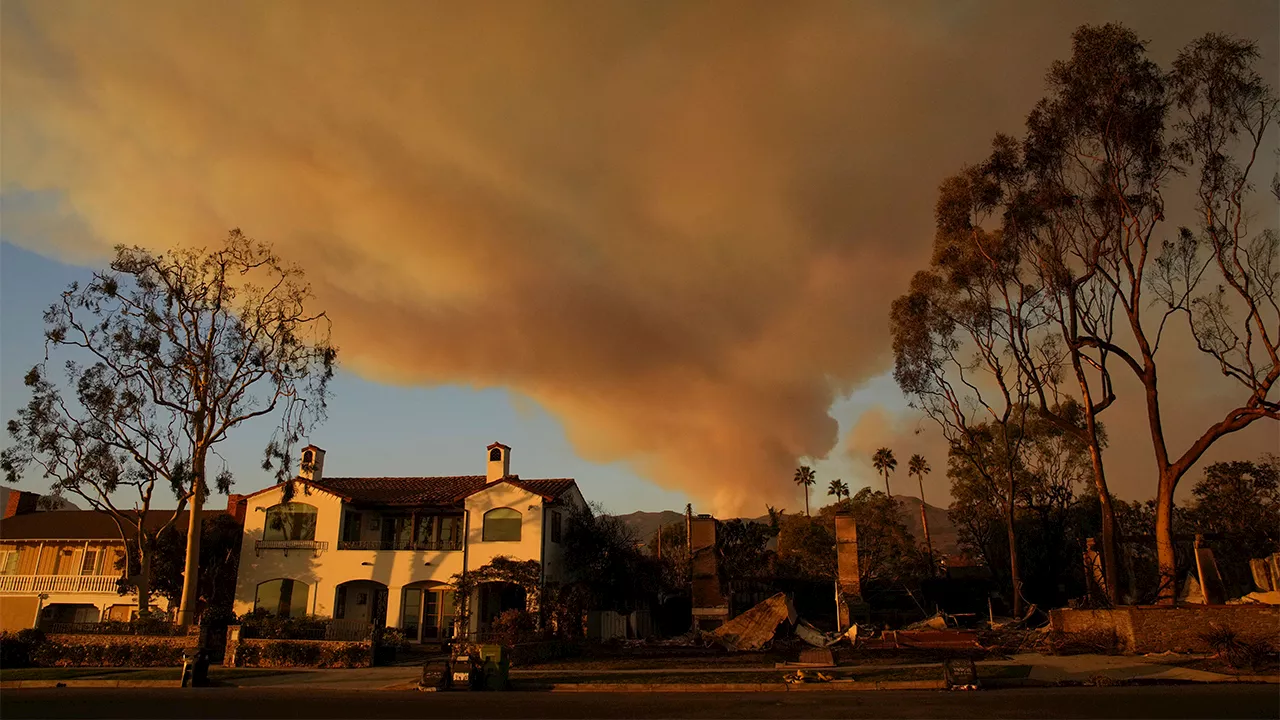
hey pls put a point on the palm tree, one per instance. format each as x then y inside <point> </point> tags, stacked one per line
<point>805,477</point>
<point>838,488</point>
<point>884,463</point>
<point>919,467</point>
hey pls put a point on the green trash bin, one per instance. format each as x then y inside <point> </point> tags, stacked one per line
<point>497,666</point>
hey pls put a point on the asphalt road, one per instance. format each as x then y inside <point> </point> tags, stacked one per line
<point>1188,701</point>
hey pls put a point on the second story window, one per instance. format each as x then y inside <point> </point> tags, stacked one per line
<point>290,521</point>
<point>89,564</point>
<point>502,525</point>
<point>351,526</point>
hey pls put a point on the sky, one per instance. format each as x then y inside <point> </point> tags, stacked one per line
<point>648,245</point>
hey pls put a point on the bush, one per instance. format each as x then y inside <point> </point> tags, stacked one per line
<point>53,653</point>
<point>263,625</point>
<point>16,648</point>
<point>513,626</point>
<point>301,653</point>
<point>1239,652</point>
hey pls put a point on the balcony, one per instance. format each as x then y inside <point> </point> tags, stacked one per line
<point>30,584</point>
<point>314,546</point>
<point>432,546</point>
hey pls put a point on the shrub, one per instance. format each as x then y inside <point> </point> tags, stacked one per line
<point>16,648</point>
<point>57,653</point>
<point>263,625</point>
<point>302,653</point>
<point>1239,652</point>
<point>513,626</point>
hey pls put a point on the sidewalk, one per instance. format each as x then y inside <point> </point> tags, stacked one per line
<point>1044,669</point>
<point>1019,670</point>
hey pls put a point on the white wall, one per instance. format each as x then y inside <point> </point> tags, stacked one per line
<point>324,571</point>
<point>504,495</point>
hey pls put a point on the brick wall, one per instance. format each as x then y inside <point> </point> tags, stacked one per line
<point>1157,629</point>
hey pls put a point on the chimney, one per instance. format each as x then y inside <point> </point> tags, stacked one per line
<point>21,502</point>
<point>499,462</point>
<point>236,506</point>
<point>312,467</point>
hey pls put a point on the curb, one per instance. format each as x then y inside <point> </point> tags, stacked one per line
<point>89,683</point>
<point>833,686</point>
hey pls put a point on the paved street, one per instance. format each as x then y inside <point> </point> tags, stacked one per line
<point>1196,701</point>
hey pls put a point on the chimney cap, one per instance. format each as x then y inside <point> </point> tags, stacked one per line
<point>498,445</point>
<point>313,447</point>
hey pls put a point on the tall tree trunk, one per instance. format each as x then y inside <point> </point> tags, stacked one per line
<point>191,571</point>
<point>806,501</point>
<point>924,520</point>
<point>886,485</point>
<point>1165,556</point>
<point>1110,553</point>
<point>143,581</point>
<point>1014,576</point>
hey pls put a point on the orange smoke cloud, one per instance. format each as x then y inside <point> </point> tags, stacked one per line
<point>677,227</point>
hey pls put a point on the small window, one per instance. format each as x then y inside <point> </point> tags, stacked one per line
<point>495,454</point>
<point>284,597</point>
<point>290,521</point>
<point>308,457</point>
<point>502,525</point>
<point>10,562</point>
<point>555,527</point>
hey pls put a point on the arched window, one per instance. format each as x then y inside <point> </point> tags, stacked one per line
<point>495,454</point>
<point>290,521</point>
<point>283,597</point>
<point>308,457</point>
<point>502,525</point>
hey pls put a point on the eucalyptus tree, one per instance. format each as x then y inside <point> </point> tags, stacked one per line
<point>167,354</point>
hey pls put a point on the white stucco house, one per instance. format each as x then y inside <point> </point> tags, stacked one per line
<point>385,549</point>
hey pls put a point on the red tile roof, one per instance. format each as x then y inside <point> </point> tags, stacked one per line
<point>430,490</point>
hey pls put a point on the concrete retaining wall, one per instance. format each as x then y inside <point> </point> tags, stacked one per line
<point>1146,629</point>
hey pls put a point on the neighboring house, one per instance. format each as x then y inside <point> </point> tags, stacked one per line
<point>61,567</point>
<point>385,549</point>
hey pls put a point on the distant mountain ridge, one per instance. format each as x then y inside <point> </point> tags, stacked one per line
<point>942,531</point>
<point>57,503</point>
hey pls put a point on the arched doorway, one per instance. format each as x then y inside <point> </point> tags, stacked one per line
<point>496,598</point>
<point>426,613</point>
<point>361,601</point>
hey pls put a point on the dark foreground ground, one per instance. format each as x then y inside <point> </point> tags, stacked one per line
<point>1187,701</point>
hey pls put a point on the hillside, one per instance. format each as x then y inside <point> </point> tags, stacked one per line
<point>941,529</point>
<point>58,504</point>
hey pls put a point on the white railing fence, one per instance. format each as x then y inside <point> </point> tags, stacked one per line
<point>23,584</point>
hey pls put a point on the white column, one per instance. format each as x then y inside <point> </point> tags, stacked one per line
<point>395,599</point>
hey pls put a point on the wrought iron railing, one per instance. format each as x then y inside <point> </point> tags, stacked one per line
<point>58,584</point>
<point>430,546</point>
<point>316,546</point>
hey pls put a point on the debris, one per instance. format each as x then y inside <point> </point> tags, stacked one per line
<point>1191,592</point>
<point>937,622</point>
<point>801,676</point>
<point>814,636</point>
<point>754,628</point>
<point>1271,597</point>
<point>820,657</point>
